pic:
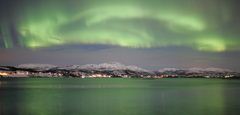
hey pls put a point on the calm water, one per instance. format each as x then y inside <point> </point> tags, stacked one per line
<point>69,96</point>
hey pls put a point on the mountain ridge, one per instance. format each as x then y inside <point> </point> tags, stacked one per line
<point>117,65</point>
<point>113,69</point>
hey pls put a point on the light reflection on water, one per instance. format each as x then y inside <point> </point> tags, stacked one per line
<point>118,96</point>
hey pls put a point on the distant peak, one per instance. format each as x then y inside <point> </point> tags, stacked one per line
<point>119,66</point>
<point>218,69</point>
<point>114,63</point>
<point>168,69</point>
<point>112,66</point>
<point>197,69</point>
<point>35,66</point>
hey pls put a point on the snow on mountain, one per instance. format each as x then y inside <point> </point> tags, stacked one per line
<point>218,70</point>
<point>195,70</point>
<point>118,66</point>
<point>36,66</point>
<point>168,69</point>
<point>70,67</point>
<point>112,66</point>
<point>103,66</point>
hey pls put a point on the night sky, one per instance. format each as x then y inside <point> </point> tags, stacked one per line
<point>152,34</point>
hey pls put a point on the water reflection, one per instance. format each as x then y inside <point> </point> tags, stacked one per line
<point>231,97</point>
<point>117,96</point>
<point>9,99</point>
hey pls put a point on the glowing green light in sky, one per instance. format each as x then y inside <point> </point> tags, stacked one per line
<point>211,44</point>
<point>135,24</point>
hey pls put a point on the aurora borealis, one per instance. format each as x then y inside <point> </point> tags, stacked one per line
<point>205,27</point>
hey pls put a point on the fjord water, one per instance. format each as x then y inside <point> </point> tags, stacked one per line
<point>70,96</point>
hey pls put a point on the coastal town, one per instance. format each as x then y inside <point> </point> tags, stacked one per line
<point>112,70</point>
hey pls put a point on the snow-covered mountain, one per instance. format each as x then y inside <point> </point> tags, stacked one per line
<point>113,69</point>
<point>200,70</point>
<point>36,66</point>
<point>117,66</point>
<point>195,70</point>
<point>168,69</point>
<point>105,66</point>
<point>112,66</point>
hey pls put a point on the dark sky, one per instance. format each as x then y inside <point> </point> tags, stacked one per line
<point>152,34</point>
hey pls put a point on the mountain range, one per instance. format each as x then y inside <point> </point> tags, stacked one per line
<point>113,69</point>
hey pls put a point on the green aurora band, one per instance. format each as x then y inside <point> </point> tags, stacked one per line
<point>126,23</point>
